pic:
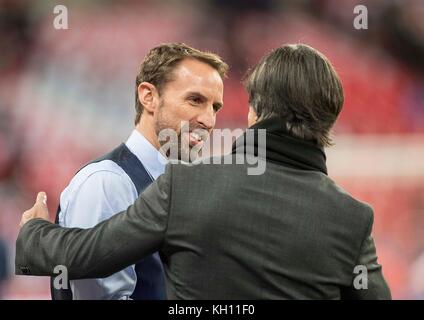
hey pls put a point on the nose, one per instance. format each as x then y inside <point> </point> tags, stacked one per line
<point>207,118</point>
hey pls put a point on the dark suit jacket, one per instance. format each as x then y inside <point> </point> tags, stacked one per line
<point>290,233</point>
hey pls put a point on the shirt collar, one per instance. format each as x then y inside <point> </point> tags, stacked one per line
<point>150,157</point>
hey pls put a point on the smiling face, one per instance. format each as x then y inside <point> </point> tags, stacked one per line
<point>192,98</point>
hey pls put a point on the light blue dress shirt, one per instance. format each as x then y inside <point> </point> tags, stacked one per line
<point>96,193</point>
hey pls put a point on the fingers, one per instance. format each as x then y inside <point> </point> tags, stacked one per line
<point>24,218</point>
<point>39,210</point>
<point>41,204</point>
<point>42,198</point>
<point>40,207</point>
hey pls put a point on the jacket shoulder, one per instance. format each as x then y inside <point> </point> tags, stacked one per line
<point>359,208</point>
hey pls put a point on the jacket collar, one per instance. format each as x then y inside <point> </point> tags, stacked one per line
<point>281,147</point>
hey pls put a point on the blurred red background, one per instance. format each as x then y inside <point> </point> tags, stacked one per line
<point>66,96</point>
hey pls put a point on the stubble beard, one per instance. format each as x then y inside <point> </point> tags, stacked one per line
<point>184,149</point>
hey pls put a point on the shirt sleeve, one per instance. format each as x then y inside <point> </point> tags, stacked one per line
<point>94,195</point>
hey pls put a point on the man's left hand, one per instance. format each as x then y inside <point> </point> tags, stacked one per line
<point>39,210</point>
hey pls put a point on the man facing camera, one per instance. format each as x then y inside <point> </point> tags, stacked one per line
<point>289,233</point>
<point>176,83</point>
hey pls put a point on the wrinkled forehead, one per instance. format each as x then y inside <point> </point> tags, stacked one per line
<point>192,74</point>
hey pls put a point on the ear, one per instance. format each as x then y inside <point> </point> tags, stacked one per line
<point>252,117</point>
<point>148,96</point>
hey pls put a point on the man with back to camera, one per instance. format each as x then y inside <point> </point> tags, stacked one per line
<point>175,83</point>
<point>290,233</point>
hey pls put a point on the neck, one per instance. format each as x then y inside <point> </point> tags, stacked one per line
<point>146,127</point>
<point>280,147</point>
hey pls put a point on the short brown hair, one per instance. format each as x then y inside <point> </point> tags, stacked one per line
<point>159,63</point>
<point>299,85</point>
